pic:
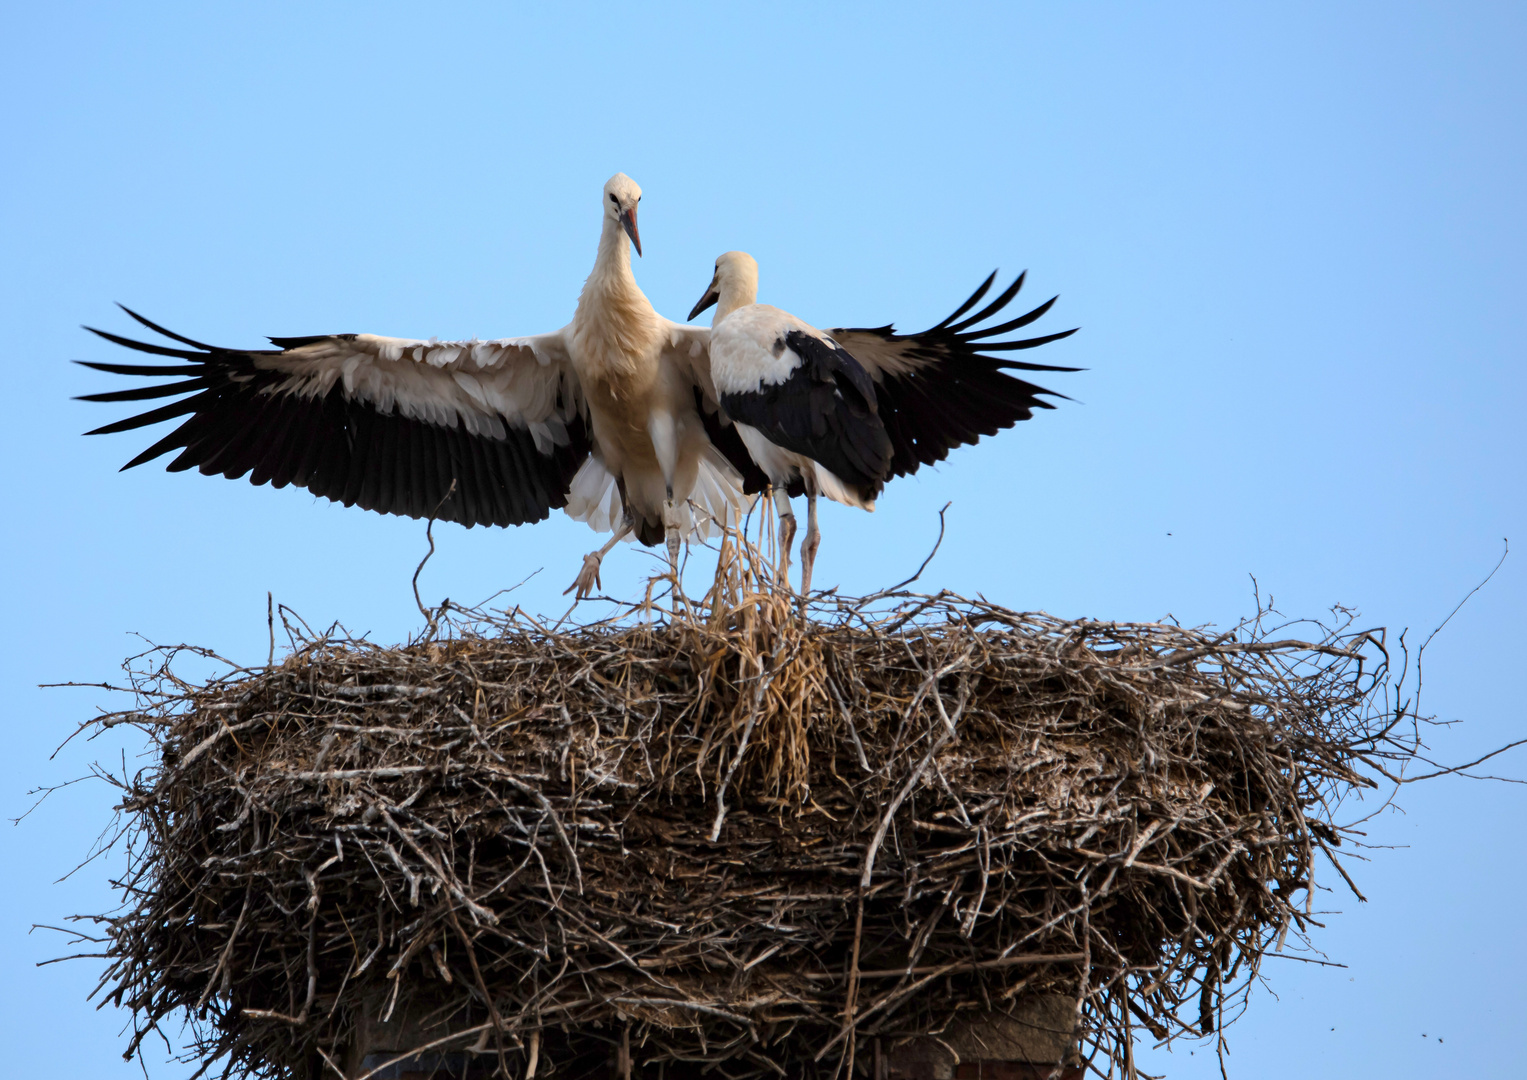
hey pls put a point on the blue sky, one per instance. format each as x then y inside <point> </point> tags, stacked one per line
<point>1293,238</point>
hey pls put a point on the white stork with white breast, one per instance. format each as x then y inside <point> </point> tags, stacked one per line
<point>841,411</point>
<point>607,417</point>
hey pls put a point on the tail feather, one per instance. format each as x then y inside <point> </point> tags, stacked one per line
<point>848,494</point>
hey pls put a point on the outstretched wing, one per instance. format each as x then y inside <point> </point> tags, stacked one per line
<point>938,389</point>
<point>388,424</point>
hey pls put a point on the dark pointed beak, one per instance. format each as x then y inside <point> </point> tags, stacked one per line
<point>628,222</point>
<point>708,300</point>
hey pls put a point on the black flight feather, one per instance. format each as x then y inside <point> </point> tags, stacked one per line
<point>992,308</point>
<point>156,328</point>
<point>951,391</point>
<point>241,418</point>
<point>975,298</point>
<point>144,369</point>
<point>145,393</point>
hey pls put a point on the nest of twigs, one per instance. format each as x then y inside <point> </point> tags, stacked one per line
<point>722,834</point>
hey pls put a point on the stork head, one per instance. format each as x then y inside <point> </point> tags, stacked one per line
<point>621,194</point>
<point>734,285</point>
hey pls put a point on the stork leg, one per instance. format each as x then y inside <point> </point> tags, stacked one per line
<point>588,578</point>
<point>665,444</point>
<point>786,531</point>
<point>671,530</point>
<point>809,545</point>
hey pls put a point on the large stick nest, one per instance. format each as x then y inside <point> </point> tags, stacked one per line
<point>731,836</point>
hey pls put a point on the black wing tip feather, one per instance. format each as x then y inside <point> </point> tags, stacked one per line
<point>1004,298</point>
<point>145,346</point>
<point>156,328</point>
<point>1014,324</point>
<point>1024,343</point>
<point>145,393</point>
<point>155,416</point>
<point>280,343</point>
<point>1019,365</point>
<point>967,335</point>
<point>975,298</point>
<point>140,369</point>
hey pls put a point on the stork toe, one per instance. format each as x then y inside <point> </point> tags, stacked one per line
<point>588,578</point>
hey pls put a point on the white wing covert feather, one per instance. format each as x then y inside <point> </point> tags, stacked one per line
<point>480,385</point>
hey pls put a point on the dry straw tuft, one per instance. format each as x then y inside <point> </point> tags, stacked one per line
<point>733,836</point>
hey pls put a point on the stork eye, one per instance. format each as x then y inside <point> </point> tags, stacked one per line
<point>614,200</point>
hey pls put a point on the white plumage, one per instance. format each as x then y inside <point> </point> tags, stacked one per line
<point>478,385</point>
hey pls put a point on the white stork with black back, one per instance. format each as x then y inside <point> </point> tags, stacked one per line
<point>805,408</point>
<point>839,412</point>
<point>612,417</point>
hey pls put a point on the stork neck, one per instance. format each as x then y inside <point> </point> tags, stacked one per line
<point>734,295</point>
<point>611,285</point>
<point>614,325</point>
<point>613,263</point>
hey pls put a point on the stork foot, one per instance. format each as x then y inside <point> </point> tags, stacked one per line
<point>588,578</point>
